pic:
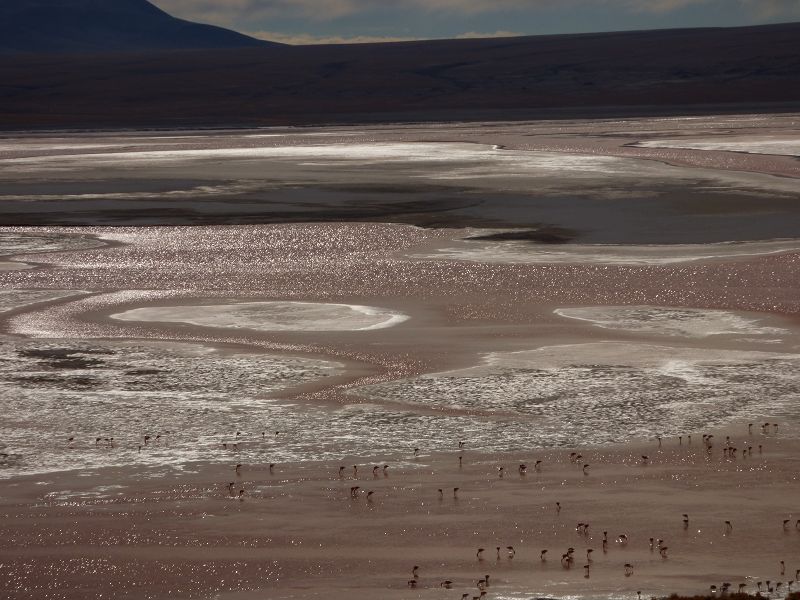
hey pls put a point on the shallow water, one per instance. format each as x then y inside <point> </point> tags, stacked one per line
<point>575,394</point>
<point>282,293</point>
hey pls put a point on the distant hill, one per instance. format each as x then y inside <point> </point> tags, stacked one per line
<point>90,26</point>
<point>657,72</point>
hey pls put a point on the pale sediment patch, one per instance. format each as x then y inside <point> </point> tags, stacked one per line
<point>13,299</point>
<point>271,316</point>
<point>176,193</point>
<point>597,393</point>
<point>751,144</point>
<point>14,242</point>
<point>518,252</point>
<point>14,266</point>
<point>671,321</point>
<point>189,398</point>
<point>453,161</point>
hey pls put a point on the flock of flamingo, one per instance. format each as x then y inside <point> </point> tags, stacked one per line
<point>567,559</point>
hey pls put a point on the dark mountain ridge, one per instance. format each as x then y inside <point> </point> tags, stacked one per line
<point>637,72</point>
<point>92,26</point>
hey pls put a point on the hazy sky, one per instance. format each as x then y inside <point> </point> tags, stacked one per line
<point>310,21</point>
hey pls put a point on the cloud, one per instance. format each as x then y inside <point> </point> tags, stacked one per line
<point>306,39</point>
<point>470,35</point>
<point>657,6</point>
<point>228,12</point>
<point>774,8</point>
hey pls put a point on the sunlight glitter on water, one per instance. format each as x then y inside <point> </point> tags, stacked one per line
<point>558,396</point>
